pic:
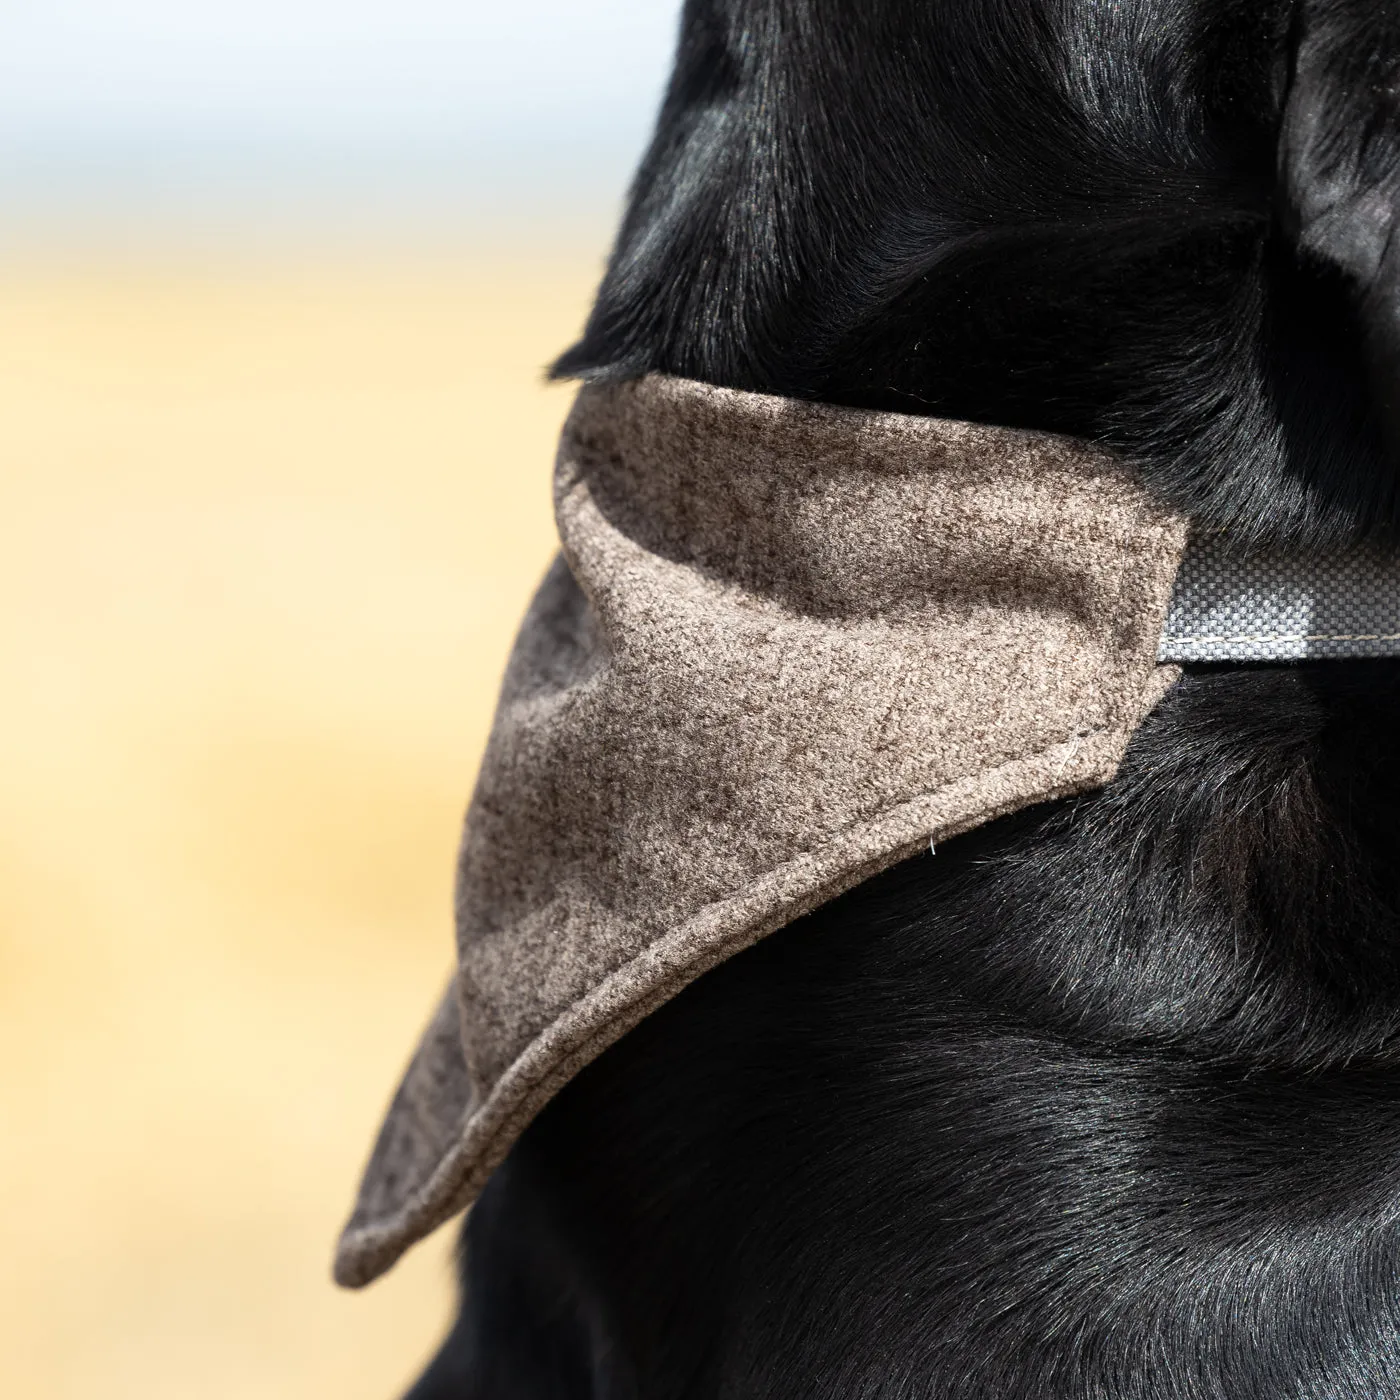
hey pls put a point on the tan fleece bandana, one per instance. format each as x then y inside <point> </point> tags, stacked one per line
<point>785,646</point>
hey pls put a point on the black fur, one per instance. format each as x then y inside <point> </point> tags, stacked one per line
<point>1063,214</point>
<point>1102,1101</point>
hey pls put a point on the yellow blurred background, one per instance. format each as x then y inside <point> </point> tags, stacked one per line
<point>267,529</point>
<point>278,283</point>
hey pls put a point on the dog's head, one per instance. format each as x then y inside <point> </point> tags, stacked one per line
<point>1161,224</point>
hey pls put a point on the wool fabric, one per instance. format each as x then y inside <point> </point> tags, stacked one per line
<point>784,646</point>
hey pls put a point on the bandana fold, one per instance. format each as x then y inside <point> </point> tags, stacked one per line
<point>784,646</point>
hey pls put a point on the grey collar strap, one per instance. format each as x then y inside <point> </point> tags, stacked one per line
<point>1230,606</point>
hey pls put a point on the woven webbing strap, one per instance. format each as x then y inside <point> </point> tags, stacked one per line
<point>1229,606</point>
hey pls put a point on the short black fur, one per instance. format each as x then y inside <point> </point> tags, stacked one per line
<point>1064,214</point>
<point>1102,1101</point>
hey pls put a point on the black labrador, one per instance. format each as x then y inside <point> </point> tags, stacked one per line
<point>1102,1103</point>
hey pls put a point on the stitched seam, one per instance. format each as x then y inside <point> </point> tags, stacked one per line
<point>1287,637</point>
<point>369,1237</point>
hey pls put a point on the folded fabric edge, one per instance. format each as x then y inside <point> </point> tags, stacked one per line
<point>368,1248</point>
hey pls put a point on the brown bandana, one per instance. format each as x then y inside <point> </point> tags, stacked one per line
<point>784,646</point>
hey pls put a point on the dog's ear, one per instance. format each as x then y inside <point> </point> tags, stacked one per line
<point>1340,171</point>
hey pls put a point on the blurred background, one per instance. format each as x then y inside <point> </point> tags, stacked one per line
<point>278,279</point>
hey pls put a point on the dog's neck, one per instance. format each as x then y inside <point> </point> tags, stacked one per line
<point>1158,225</point>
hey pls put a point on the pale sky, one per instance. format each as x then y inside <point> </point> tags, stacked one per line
<point>110,93</point>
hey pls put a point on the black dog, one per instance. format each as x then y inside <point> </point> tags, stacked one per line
<point>1102,1102</point>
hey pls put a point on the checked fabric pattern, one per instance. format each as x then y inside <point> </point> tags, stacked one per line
<point>1231,606</point>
